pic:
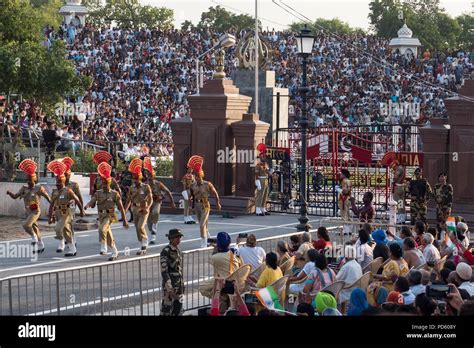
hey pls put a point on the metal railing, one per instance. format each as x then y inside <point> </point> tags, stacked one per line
<point>123,287</point>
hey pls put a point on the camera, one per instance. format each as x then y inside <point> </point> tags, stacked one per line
<point>243,235</point>
<point>251,299</point>
<point>228,288</point>
<point>437,292</point>
<point>212,240</point>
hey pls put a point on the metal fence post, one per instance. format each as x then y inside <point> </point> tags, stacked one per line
<point>141,285</point>
<point>10,296</point>
<point>57,294</point>
<point>101,287</point>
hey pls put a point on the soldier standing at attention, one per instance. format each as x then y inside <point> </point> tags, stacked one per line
<point>61,207</point>
<point>106,200</point>
<point>200,192</point>
<point>171,260</point>
<point>420,193</point>
<point>398,189</point>
<point>188,180</point>
<point>31,195</point>
<point>261,181</point>
<point>443,194</point>
<point>125,184</point>
<point>74,186</point>
<point>139,197</point>
<point>100,157</point>
<point>157,190</point>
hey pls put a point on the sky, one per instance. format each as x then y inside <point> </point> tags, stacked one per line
<point>352,11</point>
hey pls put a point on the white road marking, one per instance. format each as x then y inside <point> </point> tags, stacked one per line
<point>135,249</point>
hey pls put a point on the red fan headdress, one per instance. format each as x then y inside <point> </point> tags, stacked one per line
<point>389,159</point>
<point>148,166</point>
<point>29,167</point>
<point>102,156</point>
<point>105,170</point>
<point>262,149</point>
<point>135,167</point>
<point>196,162</point>
<point>68,162</point>
<point>193,160</point>
<point>58,168</point>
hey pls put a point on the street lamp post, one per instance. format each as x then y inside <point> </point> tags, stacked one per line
<point>225,41</point>
<point>81,117</point>
<point>305,42</point>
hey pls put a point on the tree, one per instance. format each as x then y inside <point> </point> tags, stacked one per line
<point>334,25</point>
<point>187,25</point>
<point>428,21</point>
<point>220,20</point>
<point>18,22</point>
<point>131,15</point>
<point>466,37</point>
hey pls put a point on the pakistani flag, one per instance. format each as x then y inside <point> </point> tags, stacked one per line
<point>269,298</point>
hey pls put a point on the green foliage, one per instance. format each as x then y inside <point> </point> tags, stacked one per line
<point>83,161</point>
<point>47,12</point>
<point>164,167</point>
<point>187,25</point>
<point>434,27</point>
<point>130,14</point>
<point>334,25</point>
<point>18,22</point>
<point>466,37</point>
<point>220,20</point>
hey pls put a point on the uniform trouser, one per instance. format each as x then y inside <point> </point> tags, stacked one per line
<point>63,227</point>
<point>345,208</point>
<point>31,224</point>
<point>154,215</point>
<point>262,195</point>
<point>399,197</point>
<point>105,232</point>
<point>202,214</point>
<point>140,219</point>
<point>442,214</point>
<point>172,304</point>
<point>418,211</point>
<point>187,208</point>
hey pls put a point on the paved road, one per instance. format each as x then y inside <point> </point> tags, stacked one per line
<point>88,245</point>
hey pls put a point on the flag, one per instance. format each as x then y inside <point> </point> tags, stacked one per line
<point>362,155</point>
<point>451,225</point>
<point>313,151</point>
<point>269,298</point>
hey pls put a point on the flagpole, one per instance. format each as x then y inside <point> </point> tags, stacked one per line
<point>256,59</point>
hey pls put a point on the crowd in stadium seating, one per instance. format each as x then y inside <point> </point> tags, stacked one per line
<point>141,80</point>
<point>377,274</point>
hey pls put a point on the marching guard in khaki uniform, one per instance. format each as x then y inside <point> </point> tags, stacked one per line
<point>200,192</point>
<point>344,199</point>
<point>140,198</point>
<point>74,186</point>
<point>399,185</point>
<point>261,181</point>
<point>157,191</point>
<point>100,157</point>
<point>188,180</point>
<point>60,209</point>
<point>31,195</point>
<point>106,200</point>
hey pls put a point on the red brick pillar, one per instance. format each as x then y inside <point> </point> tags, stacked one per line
<point>218,105</point>
<point>461,141</point>
<point>248,134</point>
<point>182,136</point>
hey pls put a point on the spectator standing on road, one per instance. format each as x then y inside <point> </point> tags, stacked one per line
<point>171,260</point>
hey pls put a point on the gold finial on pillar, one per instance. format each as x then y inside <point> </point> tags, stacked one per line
<point>219,74</point>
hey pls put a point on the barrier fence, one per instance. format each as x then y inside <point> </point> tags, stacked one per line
<point>123,287</point>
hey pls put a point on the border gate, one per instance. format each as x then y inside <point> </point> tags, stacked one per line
<point>358,149</point>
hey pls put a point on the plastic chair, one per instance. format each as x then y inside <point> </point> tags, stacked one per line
<point>240,276</point>
<point>334,288</point>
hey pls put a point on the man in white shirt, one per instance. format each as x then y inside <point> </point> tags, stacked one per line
<point>464,273</point>
<point>430,252</point>
<point>349,273</point>
<point>252,254</point>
